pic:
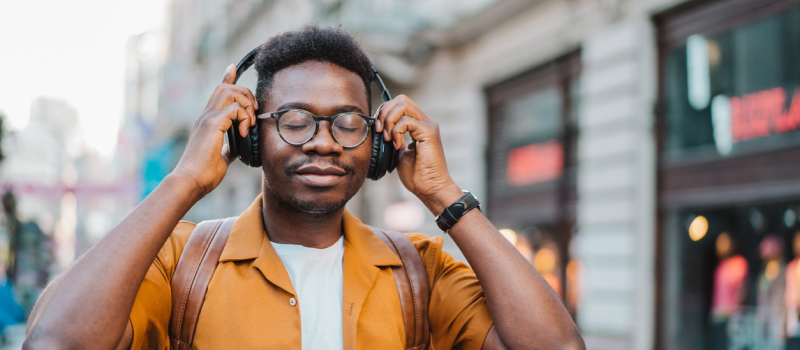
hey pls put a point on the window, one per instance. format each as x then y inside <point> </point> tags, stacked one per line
<point>531,167</point>
<point>735,89</point>
<point>729,175</point>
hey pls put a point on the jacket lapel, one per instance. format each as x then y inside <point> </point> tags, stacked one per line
<point>249,241</point>
<point>364,255</point>
<point>358,278</point>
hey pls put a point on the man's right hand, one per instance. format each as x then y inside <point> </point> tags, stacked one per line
<point>206,158</point>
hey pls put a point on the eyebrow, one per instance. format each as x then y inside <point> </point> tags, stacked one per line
<point>308,107</point>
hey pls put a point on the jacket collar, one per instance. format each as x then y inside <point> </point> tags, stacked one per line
<point>248,240</point>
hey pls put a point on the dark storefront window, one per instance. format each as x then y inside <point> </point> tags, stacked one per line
<point>531,134</point>
<point>531,193</point>
<point>735,90</point>
<point>729,175</point>
<point>740,286</point>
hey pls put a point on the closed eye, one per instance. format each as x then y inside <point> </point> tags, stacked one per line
<point>347,129</point>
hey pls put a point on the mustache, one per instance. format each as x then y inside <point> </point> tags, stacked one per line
<point>291,168</point>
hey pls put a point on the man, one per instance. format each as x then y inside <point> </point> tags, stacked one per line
<point>296,254</point>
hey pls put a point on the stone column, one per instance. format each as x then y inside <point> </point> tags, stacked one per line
<point>616,186</point>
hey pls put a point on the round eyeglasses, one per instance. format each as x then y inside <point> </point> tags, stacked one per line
<point>297,126</point>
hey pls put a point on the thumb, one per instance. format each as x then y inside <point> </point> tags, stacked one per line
<point>226,154</point>
<point>406,158</point>
<point>230,74</point>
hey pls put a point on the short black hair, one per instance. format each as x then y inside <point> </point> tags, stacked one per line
<point>312,43</point>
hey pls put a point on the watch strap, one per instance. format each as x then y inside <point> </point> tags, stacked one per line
<point>450,216</point>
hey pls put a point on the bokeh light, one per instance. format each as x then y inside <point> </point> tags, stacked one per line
<point>510,235</point>
<point>723,245</point>
<point>698,228</point>
<point>772,270</point>
<point>789,217</point>
<point>545,260</point>
<point>403,216</point>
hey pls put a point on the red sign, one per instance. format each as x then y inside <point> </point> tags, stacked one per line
<point>764,113</point>
<point>535,163</point>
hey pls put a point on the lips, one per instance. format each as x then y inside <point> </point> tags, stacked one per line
<point>315,175</point>
<point>317,170</point>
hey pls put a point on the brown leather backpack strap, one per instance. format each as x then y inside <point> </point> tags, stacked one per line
<point>191,277</point>
<point>412,285</point>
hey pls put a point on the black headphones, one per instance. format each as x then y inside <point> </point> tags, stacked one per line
<point>384,155</point>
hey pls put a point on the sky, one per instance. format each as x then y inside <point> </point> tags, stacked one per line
<point>73,51</point>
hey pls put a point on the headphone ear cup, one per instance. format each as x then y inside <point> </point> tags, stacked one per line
<point>230,136</point>
<point>392,157</point>
<point>240,147</point>
<point>384,157</point>
<point>377,155</point>
<point>254,143</point>
<point>246,148</point>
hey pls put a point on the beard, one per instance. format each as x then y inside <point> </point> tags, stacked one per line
<point>289,201</point>
<point>311,207</point>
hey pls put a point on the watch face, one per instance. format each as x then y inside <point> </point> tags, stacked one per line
<point>470,194</point>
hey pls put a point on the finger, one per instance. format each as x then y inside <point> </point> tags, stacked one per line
<point>400,109</point>
<point>406,159</point>
<point>392,113</point>
<point>378,123</point>
<point>418,130</point>
<point>214,95</point>
<point>383,111</point>
<point>235,112</point>
<point>221,88</point>
<point>228,81</point>
<point>232,95</point>
<point>386,107</point>
<point>244,91</point>
<point>230,74</point>
<point>226,154</point>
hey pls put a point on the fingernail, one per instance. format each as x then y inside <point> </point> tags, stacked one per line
<point>386,135</point>
<point>378,125</point>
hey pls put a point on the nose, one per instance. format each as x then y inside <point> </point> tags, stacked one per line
<point>323,143</point>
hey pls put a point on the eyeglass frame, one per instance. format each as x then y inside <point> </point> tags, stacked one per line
<point>317,118</point>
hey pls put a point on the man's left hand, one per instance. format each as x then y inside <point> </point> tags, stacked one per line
<point>422,166</point>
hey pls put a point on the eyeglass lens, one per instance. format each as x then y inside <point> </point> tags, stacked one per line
<point>349,129</point>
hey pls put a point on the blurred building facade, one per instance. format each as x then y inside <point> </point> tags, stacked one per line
<point>32,179</point>
<point>59,198</point>
<point>620,144</point>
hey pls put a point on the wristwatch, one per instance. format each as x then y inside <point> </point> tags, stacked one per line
<point>455,211</point>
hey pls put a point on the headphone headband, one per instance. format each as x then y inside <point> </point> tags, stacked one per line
<point>250,59</point>
<point>245,63</point>
<point>385,96</point>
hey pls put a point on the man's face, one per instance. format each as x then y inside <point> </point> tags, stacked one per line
<point>320,176</point>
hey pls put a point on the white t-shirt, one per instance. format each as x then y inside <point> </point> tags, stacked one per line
<point>316,276</point>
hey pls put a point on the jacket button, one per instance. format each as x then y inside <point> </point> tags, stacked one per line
<point>292,301</point>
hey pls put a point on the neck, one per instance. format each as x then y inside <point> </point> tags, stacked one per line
<point>286,226</point>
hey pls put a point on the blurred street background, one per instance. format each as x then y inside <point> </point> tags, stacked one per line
<point>642,154</point>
